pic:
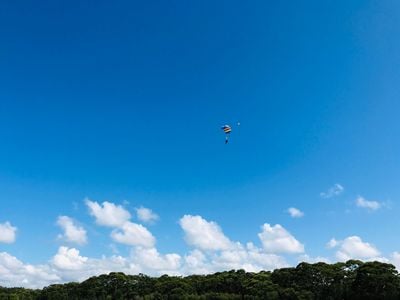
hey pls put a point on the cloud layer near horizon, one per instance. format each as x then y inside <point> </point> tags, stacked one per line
<point>210,250</point>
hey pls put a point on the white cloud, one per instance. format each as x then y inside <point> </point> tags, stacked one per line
<point>151,259</point>
<point>15,273</point>
<point>295,212</point>
<point>395,259</point>
<point>134,235</point>
<point>370,205</point>
<point>72,232</point>
<point>196,262</point>
<point>353,247</point>
<point>203,234</point>
<point>220,253</point>
<point>276,239</point>
<point>7,233</point>
<point>77,268</point>
<point>332,243</point>
<point>146,215</point>
<point>125,232</point>
<point>313,260</point>
<point>249,258</point>
<point>108,214</point>
<point>69,265</point>
<point>335,190</point>
<point>68,259</point>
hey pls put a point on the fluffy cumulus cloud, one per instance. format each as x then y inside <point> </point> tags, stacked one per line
<point>125,231</point>
<point>146,215</point>
<point>151,259</point>
<point>215,252</point>
<point>14,272</point>
<point>7,233</point>
<point>249,258</point>
<point>295,212</point>
<point>196,262</point>
<point>203,234</point>
<point>133,235</point>
<point>69,259</point>
<point>107,213</point>
<point>333,191</point>
<point>276,239</point>
<point>72,232</point>
<point>69,265</point>
<point>353,247</point>
<point>370,205</point>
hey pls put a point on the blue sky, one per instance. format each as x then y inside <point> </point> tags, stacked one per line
<point>123,102</point>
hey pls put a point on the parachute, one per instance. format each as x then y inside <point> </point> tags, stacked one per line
<point>227,129</point>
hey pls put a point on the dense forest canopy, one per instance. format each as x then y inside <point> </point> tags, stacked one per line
<point>351,280</point>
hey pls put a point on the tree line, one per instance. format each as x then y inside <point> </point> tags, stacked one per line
<point>351,280</point>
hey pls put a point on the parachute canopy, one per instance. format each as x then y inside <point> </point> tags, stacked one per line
<point>227,129</point>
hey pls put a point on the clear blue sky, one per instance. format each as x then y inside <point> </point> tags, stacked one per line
<point>124,101</point>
